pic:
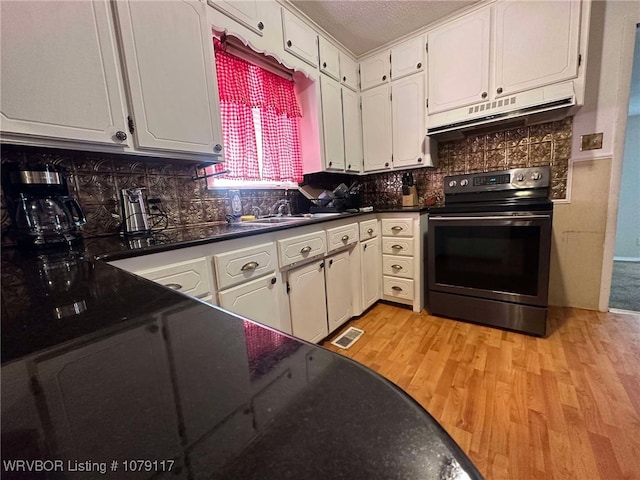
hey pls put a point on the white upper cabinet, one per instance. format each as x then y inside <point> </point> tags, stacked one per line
<point>535,44</point>
<point>247,13</point>
<point>332,123</point>
<point>329,58</point>
<point>168,54</point>
<point>59,70</point>
<point>375,70</point>
<point>408,114</point>
<point>408,58</point>
<point>348,71</point>
<point>352,131</point>
<point>299,38</point>
<point>376,128</point>
<point>459,62</point>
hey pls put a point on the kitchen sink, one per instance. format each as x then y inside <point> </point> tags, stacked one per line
<point>287,219</point>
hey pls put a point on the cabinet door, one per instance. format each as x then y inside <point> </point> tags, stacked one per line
<point>307,302</point>
<point>375,71</point>
<point>60,76</point>
<point>245,12</point>
<point>348,72</point>
<point>352,131</point>
<point>256,300</point>
<point>459,62</point>
<point>408,58</point>
<point>332,124</point>
<point>376,128</point>
<point>338,284</point>
<point>550,58</point>
<point>408,114</point>
<point>299,39</point>
<point>168,53</point>
<point>329,58</point>
<point>370,256</point>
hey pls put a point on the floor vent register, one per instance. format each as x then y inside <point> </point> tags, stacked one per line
<point>348,338</point>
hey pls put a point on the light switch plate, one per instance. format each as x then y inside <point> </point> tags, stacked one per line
<point>593,141</point>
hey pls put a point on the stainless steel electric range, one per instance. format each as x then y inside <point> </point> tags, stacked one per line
<point>489,248</point>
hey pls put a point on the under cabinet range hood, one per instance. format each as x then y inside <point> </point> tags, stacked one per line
<point>544,104</point>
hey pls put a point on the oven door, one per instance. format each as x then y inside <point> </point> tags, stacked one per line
<point>499,257</point>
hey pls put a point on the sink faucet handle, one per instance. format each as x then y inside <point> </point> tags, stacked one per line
<point>256,212</point>
<point>284,208</point>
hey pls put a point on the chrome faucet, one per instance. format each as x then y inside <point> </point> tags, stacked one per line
<point>282,207</point>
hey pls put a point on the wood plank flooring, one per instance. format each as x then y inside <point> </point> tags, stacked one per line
<point>562,407</point>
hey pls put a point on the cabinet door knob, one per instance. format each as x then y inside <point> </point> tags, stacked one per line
<point>217,148</point>
<point>484,95</point>
<point>273,281</point>
<point>419,159</point>
<point>499,90</point>
<point>384,77</point>
<point>306,249</point>
<point>344,79</point>
<point>386,164</point>
<point>345,238</point>
<point>322,265</point>
<point>396,228</point>
<point>249,266</point>
<point>331,262</point>
<point>364,247</point>
<point>324,64</point>
<point>173,286</point>
<point>349,166</point>
<point>289,43</point>
<point>260,26</point>
<point>120,135</point>
<point>396,288</point>
<point>370,231</point>
<point>419,65</point>
<point>330,163</point>
<point>397,267</point>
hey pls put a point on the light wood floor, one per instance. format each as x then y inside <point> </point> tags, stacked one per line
<point>563,407</point>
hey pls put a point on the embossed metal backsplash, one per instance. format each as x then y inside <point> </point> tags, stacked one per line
<point>97,178</point>
<point>544,144</point>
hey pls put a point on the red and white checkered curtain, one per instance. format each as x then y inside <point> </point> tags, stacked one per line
<point>243,86</point>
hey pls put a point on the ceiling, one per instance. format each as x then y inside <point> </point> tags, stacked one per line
<point>363,25</point>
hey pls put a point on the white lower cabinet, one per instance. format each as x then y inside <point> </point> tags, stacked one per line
<point>371,272</point>
<point>307,302</point>
<point>256,300</point>
<point>338,288</point>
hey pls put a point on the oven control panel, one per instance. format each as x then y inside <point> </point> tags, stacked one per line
<point>515,179</point>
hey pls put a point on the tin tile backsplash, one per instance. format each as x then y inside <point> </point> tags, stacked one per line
<point>97,178</point>
<point>544,144</point>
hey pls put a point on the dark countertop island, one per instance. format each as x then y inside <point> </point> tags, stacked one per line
<point>100,366</point>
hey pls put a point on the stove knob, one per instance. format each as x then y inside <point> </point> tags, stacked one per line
<point>452,183</point>
<point>464,183</point>
<point>535,176</point>
<point>520,177</point>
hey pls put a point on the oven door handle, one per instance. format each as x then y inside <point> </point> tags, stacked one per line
<point>492,217</point>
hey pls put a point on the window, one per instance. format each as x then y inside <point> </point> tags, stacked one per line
<point>260,123</point>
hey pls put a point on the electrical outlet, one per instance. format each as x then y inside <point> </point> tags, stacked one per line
<point>592,141</point>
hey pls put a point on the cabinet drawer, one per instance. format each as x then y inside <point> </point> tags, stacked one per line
<point>238,266</point>
<point>341,236</point>
<point>369,229</point>
<point>187,277</point>
<point>397,287</point>
<point>397,266</point>
<point>295,249</point>
<point>397,246</point>
<point>397,227</point>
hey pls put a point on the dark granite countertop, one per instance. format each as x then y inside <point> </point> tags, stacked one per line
<point>99,366</point>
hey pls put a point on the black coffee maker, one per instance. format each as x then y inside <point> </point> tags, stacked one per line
<point>43,213</point>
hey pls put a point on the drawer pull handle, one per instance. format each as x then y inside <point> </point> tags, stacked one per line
<point>306,249</point>
<point>396,288</point>
<point>397,247</point>
<point>249,266</point>
<point>174,286</point>
<point>397,267</point>
<point>345,238</point>
<point>396,229</point>
<point>370,231</point>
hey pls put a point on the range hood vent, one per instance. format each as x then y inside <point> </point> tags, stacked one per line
<point>537,106</point>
